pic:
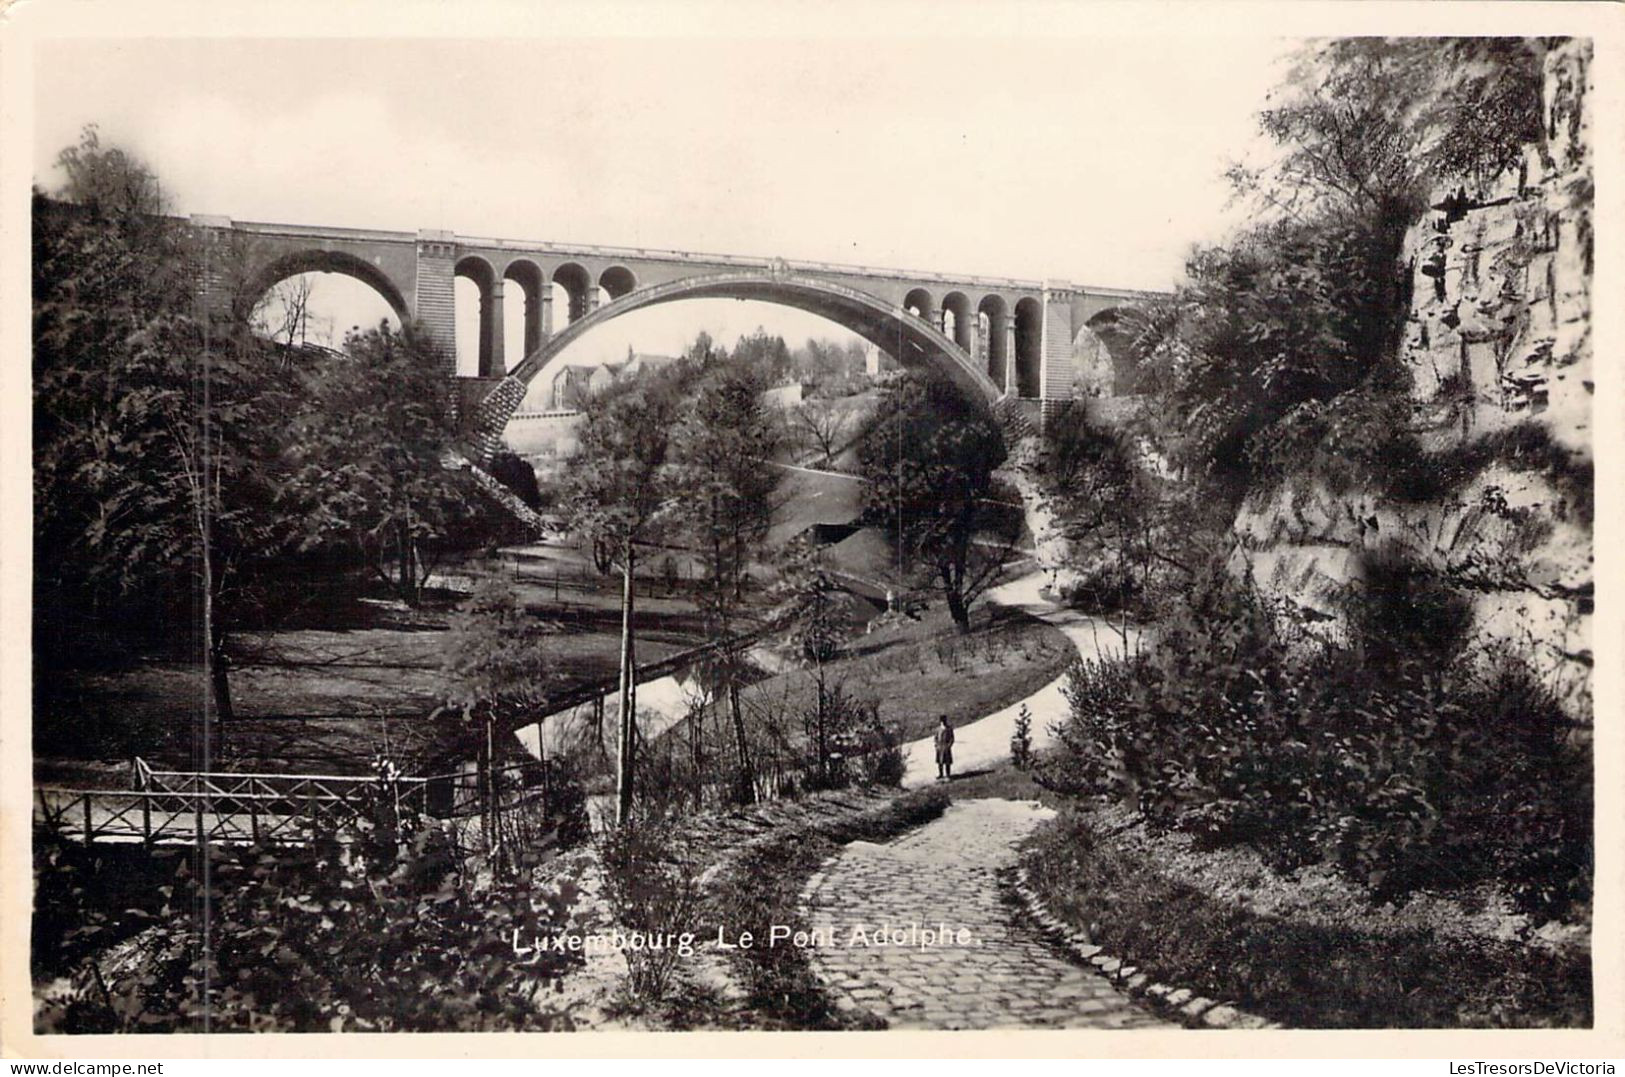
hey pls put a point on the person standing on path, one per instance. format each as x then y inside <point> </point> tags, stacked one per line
<point>945,749</point>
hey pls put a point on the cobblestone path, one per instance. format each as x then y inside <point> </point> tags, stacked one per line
<point>985,968</point>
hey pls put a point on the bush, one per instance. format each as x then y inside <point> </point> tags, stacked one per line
<point>652,892</point>
<point>1305,974</point>
<point>1404,614</point>
<point>516,473</point>
<point>532,827</point>
<point>565,804</point>
<point>332,938</point>
<point>1021,741</point>
<point>882,763</point>
<point>1103,588</point>
<point>1395,758</point>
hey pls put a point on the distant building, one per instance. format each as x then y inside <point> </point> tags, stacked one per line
<point>575,382</point>
<point>788,395</point>
<point>641,364</point>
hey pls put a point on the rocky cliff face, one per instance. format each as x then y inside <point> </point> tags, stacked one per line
<point>1499,348</point>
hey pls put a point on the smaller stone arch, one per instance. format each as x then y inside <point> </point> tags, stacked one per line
<point>530,279</point>
<point>319,261</point>
<point>918,303</point>
<point>992,322</point>
<point>957,324</point>
<point>578,287</point>
<point>1115,327</point>
<point>617,281</point>
<point>1029,357</point>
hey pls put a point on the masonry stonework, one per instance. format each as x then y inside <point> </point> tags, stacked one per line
<point>434,301</point>
<point>417,273</point>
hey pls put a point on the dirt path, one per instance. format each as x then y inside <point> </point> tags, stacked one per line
<point>985,742</point>
<point>985,968</point>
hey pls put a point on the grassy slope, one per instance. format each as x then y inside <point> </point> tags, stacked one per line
<point>324,696</point>
<point>805,498</point>
<point>1356,970</point>
<point>1349,966</point>
<point>356,677</point>
<point>921,669</point>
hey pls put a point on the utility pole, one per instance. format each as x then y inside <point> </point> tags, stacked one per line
<point>625,758</point>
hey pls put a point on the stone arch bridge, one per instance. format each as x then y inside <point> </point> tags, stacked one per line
<point>1005,340</point>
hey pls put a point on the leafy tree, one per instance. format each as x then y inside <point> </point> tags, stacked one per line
<point>203,415</point>
<point>1086,472</point>
<point>767,355</point>
<point>806,603</point>
<point>721,451</point>
<point>499,671</point>
<point>830,369</point>
<point>498,659</point>
<point>1283,330</point>
<point>1291,315</point>
<point>156,430</point>
<point>929,457</point>
<point>1088,477</point>
<point>370,455</point>
<point>1365,125</point>
<point>108,181</point>
<point>619,491</point>
<point>1489,107</point>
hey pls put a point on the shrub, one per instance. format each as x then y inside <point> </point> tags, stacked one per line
<point>1021,741</point>
<point>1096,736</point>
<point>516,473</point>
<point>1305,974</point>
<point>565,803</point>
<point>652,891</point>
<point>328,938</point>
<point>1394,758</point>
<point>1403,612</point>
<point>882,762</point>
<point>1105,587</point>
<point>529,826</point>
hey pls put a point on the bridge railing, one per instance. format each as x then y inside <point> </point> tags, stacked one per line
<point>194,807</point>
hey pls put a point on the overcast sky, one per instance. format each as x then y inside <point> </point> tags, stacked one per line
<point>1096,160</point>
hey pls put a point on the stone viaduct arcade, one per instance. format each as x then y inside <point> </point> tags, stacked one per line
<point>1004,339</point>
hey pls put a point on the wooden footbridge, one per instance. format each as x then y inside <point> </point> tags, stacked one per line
<point>219,808</point>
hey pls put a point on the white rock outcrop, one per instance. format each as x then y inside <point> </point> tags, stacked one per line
<point>1499,335</point>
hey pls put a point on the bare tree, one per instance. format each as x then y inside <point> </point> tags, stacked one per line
<point>283,312</point>
<point>822,428</point>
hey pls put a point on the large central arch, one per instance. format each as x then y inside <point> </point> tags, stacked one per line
<point>909,337</point>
